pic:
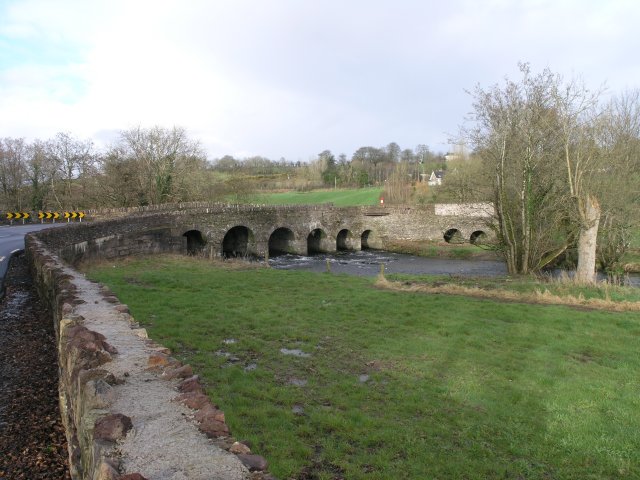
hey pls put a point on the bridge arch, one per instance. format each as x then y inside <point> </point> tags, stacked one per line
<point>370,240</point>
<point>345,240</point>
<point>478,237</point>
<point>453,235</point>
<point>281,241</point>
<point>316,241</point>
<point>239,241</point>
<point>195,241</point>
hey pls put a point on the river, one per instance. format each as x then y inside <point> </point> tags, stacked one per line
<point>367,263</point>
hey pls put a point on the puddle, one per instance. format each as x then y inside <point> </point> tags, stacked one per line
<point>230,358</point>
<point>296,352</point>
<point>363,378</point>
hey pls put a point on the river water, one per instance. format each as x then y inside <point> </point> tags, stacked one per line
<point>367,263</point>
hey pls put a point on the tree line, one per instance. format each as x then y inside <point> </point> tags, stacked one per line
<point>148,166</point>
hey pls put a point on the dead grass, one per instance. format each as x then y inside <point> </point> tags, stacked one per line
<point>632,267</point>
<point>540,297</point>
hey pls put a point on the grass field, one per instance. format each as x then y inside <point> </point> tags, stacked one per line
<point>340,197</point>
<point>396,385</point>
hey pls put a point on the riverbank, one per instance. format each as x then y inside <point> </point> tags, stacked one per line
<point>430,249</point>
<point>539,291</point>
<point>330,376</point>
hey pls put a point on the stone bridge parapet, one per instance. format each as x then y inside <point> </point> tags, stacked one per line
<point>221,230</point>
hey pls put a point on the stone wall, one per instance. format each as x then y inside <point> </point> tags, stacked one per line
<point>129,409</point>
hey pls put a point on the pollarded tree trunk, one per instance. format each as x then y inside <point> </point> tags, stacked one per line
<point>586,272</point>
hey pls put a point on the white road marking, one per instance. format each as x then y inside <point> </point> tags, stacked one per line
<point>16,250</point>
<point>2,259</point>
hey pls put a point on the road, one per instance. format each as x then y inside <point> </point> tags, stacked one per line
<point>12,239</point>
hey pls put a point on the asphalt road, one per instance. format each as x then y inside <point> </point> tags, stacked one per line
<point>11,240</point>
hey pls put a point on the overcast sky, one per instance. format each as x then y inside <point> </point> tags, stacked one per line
<point>291,78</point>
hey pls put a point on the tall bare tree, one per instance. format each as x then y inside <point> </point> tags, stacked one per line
<point>577,109</point>
<point>164,159</point>
<point>39,169</point>
<point>13,153</point>
<point>618,178</point>
<point>71,157</point>
<point>515,133</point>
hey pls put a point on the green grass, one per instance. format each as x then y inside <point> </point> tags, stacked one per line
<point>458,387</point>
<point>339,197</point>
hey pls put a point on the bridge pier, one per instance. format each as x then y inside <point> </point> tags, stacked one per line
<point>347,241</point>
<point>318,241</point>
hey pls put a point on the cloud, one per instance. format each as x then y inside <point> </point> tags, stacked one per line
<point>289,78</point>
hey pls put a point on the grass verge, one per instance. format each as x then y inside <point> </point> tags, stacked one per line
<point>393,384</point>
<point>339,197</point>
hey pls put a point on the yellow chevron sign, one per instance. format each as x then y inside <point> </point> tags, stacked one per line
<point>41,215</point>
<point>17,215</point>
<point>81,215</point>
<point>56,215</point>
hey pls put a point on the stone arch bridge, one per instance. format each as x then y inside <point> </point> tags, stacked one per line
<point>222,230</point>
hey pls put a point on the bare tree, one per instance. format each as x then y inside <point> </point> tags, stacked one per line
<point>577,111</point>
<point>398,188</point>
<point>39,168</point>
<point>618,178</point>
<point>70,157</point>
<point>13,153</point>
<point>466,181</point>
<point>516,135</point>
<point>164,159</point>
